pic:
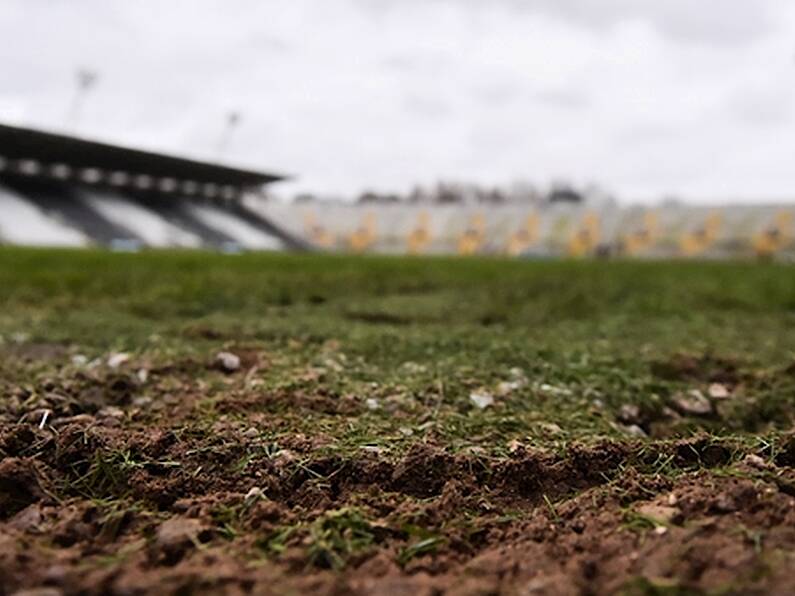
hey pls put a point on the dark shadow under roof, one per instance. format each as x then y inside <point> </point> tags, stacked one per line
<point>17,143</point>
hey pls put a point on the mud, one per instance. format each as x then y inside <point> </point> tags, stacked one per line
<point>113,494</point>
<point>146,510</point>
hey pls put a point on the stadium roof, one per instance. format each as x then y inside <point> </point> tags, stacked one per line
<point>20,145</point>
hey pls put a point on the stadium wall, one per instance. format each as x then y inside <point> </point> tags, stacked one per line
<point>552,230</point>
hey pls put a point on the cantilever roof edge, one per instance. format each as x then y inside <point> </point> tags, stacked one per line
<point>19,143</point>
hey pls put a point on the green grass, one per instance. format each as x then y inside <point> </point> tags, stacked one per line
<point>418,335</point>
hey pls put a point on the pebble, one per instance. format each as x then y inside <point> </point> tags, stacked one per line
<point>506,387</point>
<point>693,403</point>
<point>552,390</point>
<point>255,493</point>
<point>79,360</point>
<point>755,461</point>
<point>635,430</point>
<point>116,359</point>
<point>110,412</point>
<point>228,361</point>
<point>551,428</point>
<point>629,413</point>
<point>481,399</point>
<point>718,391</point>
<point>251,433</point>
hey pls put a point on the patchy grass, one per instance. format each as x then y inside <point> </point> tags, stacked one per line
<point>349,432</point>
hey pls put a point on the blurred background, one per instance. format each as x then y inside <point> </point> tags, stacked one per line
<point>538,127</point>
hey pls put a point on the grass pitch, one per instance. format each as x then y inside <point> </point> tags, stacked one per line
<point>393,421</point>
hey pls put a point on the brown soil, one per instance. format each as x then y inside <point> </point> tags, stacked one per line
<point>105,498</point>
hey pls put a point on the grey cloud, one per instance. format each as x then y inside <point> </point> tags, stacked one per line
<point>762,107</point>
<point>719,22</point>
<point>712,21</point>
<point>564,98</point>
<point>426,107</point>
<point>309,75</point>
<point>496,94</point>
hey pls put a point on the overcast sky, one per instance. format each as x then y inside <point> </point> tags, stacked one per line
<point>645,97</point>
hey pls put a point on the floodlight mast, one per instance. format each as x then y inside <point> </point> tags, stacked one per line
<point>232,121</point>
<point>86,80</point>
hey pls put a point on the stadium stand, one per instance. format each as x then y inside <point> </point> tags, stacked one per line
<point>63,190</point>
<point>60,189</point>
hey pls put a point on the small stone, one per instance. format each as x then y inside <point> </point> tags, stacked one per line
<point>116,359</point>
<point>413,367</point>
<point>250,433</point>
<point>372,404</point>
<point>514,445</point>
<point>718,391</point>
<point>724,504</point>
<point>693,403</point>
<point>475,450</point>
<point>255,493</point>
<point>517,373</point>
<point>227,361</point>
<point>755,461</point>
<point>551,428</point>
<point>481,399</point>
<point>553,390</point>
<point>406,431</point>
<point>660,514</point>
<point>660,530</point>
<point>672,499</point>
<point>635,431</point>
<point>143,375</point>
<point>110,412</point>
<point>76,419</point>
<point>79,360</point>
<point>506,387</point>
<point>629,414</point>
<point>20,337</point>
<point>332,364</point>
<point>28,519</point>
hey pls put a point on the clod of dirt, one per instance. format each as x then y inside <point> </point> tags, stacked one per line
<point>19,486</point>
<point>176,536</point>
<point>660,514</point>
<point>786,455</point>
<point>227,361</point>
<point>37,351</point>
<point>28,519</point>
<point>693,403</point>
<point>422,472</point>
<point>40,592</point>
<point>706,368</point>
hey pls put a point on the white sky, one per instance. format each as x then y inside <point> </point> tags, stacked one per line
<point>645,97</point>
